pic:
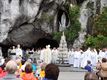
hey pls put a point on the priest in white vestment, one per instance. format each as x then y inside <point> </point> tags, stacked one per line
<point>47,55</point>
<point>106,53</point>
<point>101,55</point>
<point>87,57</point>
<point>82,59</point>
<point>77,55</point>
<point>13,53</point>
<point>19,52</point>
<point>54,55</point>
<point>42,54</point>
<point>94,57</point>
<point>71,56</point>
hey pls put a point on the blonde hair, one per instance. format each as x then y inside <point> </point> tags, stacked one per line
<point>11,67</point>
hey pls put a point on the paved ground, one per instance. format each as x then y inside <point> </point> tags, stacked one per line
<point>71,69</point>
<point>71,76</point>
<point>70,73</point>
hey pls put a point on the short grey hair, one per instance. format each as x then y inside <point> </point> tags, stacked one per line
<point>11,67</point>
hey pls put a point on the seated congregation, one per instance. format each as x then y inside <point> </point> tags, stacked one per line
<point>27,70</point>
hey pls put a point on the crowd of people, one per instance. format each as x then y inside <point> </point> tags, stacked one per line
<point>21,69</point>
<point>47,55</point>
<point>76,57</point>
<point>79,58</point>
<point>94,61</point>
<point>21,65</point>
<point>40,64</point>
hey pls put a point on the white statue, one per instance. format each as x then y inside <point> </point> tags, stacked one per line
<point>63,22</point>
<point>63,50</point>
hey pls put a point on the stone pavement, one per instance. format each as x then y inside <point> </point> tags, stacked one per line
<point>70,73</point>
<point>71,69</point>
<point>71,76</point>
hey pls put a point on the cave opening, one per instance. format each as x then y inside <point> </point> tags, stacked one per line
<point>42,42</point>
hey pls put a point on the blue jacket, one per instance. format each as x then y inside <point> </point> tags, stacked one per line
<point>88,68</point>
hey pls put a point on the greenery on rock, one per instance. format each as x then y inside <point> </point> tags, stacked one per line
<point>100,26</point>
<point>98,39</point>
<point>72,32</point>
<point>74,28</point>
<point>45,17</point>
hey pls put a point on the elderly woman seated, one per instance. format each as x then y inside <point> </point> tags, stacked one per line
<point>11,68</point>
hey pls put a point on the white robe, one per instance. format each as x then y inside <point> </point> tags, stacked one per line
<point>54,56</point>
<point>71,57</point>
<point>102,55</point>
<point>106,54</point>
<point>77,59</point>
<point>47,56</point>
<point>13,56</point>
<point>19,52</point>
<point>42,54</point>
<point>87,57</point>
<point>82,60</point>
<point>94,58</point>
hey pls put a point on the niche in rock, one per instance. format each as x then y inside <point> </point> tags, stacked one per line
<point>62,20</point>
<point>42,42</point>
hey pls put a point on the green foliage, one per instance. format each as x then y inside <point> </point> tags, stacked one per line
<point>57,36</point>
<point>72,32</point>
<point>74,12</point>
<point>98,41</point>
<point>100,24</point>
<point>99,37</point>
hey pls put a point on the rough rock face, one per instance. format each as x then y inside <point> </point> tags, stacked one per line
<point>88,10</point>
<point>25,21</point>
